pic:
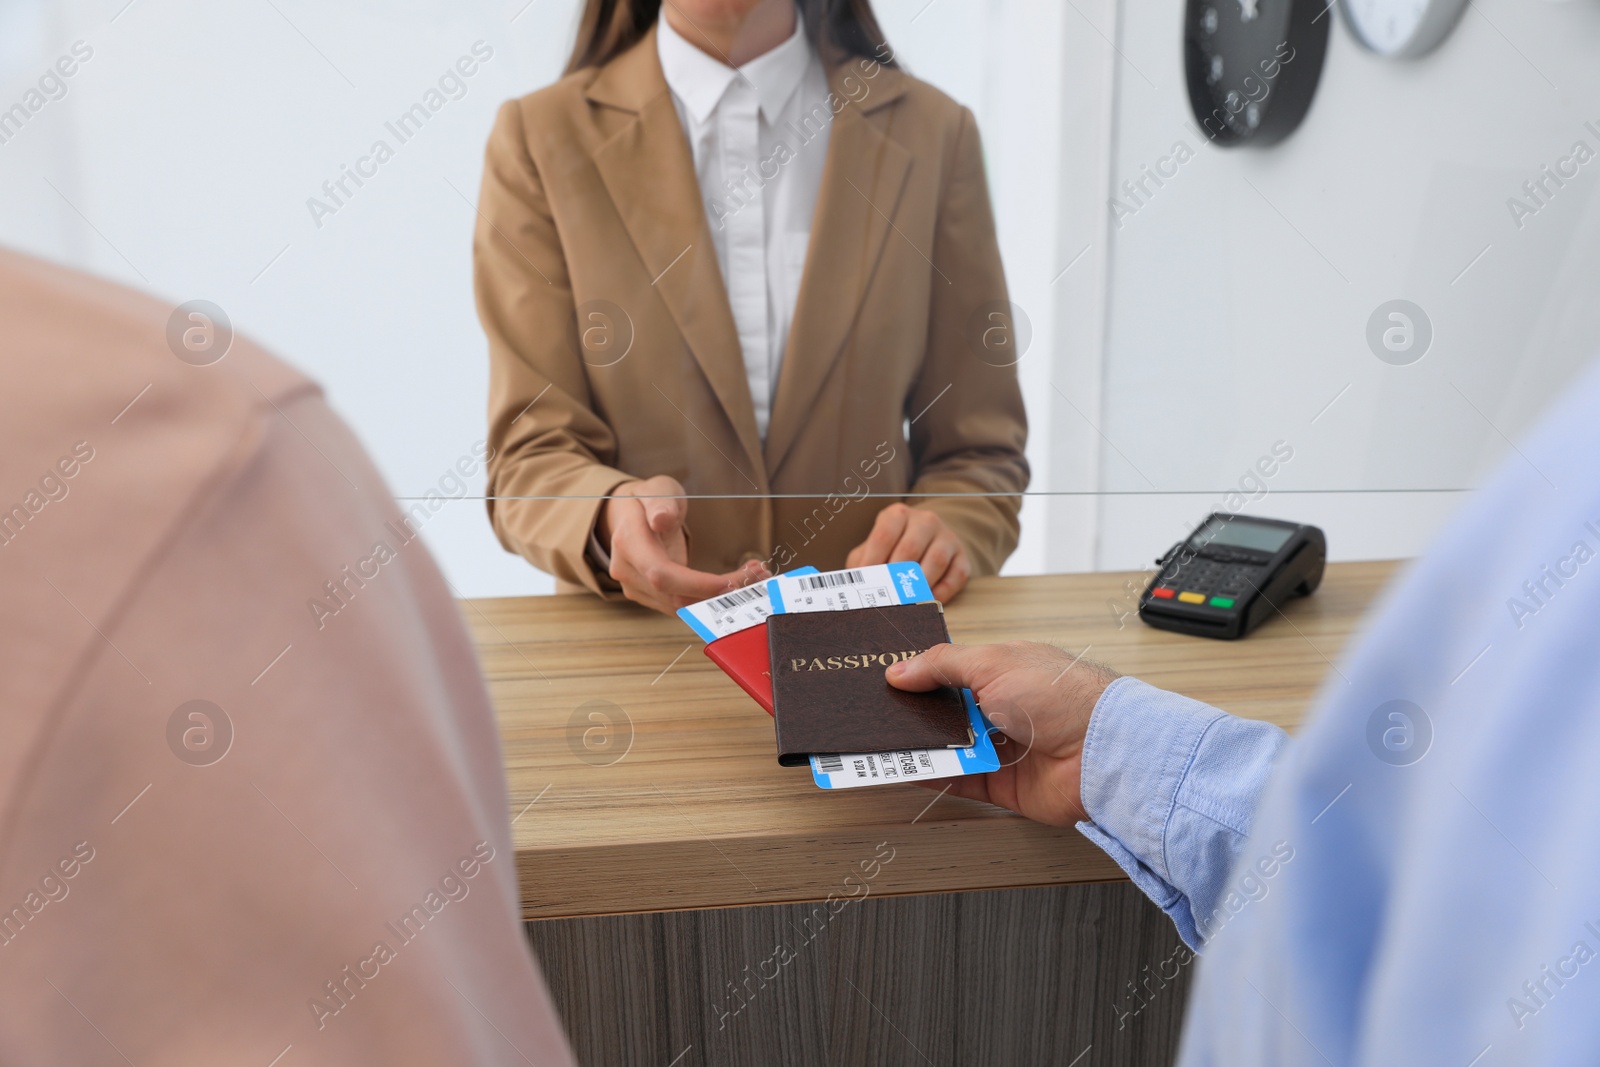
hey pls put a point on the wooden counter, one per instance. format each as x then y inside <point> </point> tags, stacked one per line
<point>643,780</point>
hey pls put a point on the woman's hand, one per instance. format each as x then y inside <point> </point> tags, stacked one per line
<point>903,534</point>
<point>1041,698</point>
<point>642,525</point>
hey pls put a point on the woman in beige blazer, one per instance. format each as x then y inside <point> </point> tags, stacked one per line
<point>632,455</point>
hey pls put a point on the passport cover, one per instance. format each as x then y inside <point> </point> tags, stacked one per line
<point>743,657</point>
<point>828,689</point>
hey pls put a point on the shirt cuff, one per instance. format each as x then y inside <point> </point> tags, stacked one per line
<point>599,558</point>
<point>1170,786</point>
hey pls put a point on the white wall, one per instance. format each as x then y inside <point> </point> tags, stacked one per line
<point>1240,291</point>
<point>191,141</point>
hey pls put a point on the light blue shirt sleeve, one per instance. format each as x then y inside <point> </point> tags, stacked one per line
<point>1418,881</point>
<point>1176,816</point>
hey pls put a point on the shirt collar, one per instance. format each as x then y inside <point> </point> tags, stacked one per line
<point>700,80</point>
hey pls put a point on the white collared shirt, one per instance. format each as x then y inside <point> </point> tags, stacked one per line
<point>759,135</point>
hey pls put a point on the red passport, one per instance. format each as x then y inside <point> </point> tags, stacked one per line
<point>745,657</point>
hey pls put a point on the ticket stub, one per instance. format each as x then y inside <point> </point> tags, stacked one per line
<point>855,769</point>
<point>879,586</point>
<point>737,610</point>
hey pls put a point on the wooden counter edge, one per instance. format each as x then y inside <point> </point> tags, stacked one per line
<point>959,855</point>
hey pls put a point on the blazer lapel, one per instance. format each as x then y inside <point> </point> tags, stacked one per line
<point>648,171</point>
<point>861,183</point>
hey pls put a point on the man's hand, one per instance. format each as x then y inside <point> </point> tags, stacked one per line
<point>904,533</point>
<point>1041,697</point>
<point>642,526</point>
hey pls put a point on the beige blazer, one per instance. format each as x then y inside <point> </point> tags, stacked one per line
<point>590,208</point>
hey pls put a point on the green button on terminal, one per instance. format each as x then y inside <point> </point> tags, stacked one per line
<point>1222,602</point>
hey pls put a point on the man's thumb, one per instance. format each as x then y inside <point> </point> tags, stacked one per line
<point>939,665</point>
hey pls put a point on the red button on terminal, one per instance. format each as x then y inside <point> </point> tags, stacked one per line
<point>1164,594</point>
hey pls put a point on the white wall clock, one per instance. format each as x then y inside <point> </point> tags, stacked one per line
<point>1402,29</point>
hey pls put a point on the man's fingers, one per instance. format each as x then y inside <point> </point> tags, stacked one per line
<point>996,787</point>
<point>956,665</point>
<point>967,787</point>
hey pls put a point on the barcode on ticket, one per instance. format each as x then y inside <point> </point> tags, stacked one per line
<point>830,764</point>
<point>833,580</point>
<point>740,596</point>
<point>738,609</point>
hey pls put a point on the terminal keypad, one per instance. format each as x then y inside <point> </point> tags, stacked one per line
<point>1215,576</point>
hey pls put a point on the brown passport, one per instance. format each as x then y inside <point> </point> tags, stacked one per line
<point>828,689</point>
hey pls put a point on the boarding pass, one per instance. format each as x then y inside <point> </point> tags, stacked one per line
<point>850,770</point>
<point>733,611</point>
<point>879,586</point>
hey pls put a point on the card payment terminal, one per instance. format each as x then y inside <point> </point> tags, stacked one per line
<point>1233,572</point>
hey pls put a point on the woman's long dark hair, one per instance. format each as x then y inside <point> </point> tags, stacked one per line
<point>838,29</point>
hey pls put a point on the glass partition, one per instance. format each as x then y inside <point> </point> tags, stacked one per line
<point>1002,274</point>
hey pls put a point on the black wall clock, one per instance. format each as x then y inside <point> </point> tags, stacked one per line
<point>1253,65</point>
